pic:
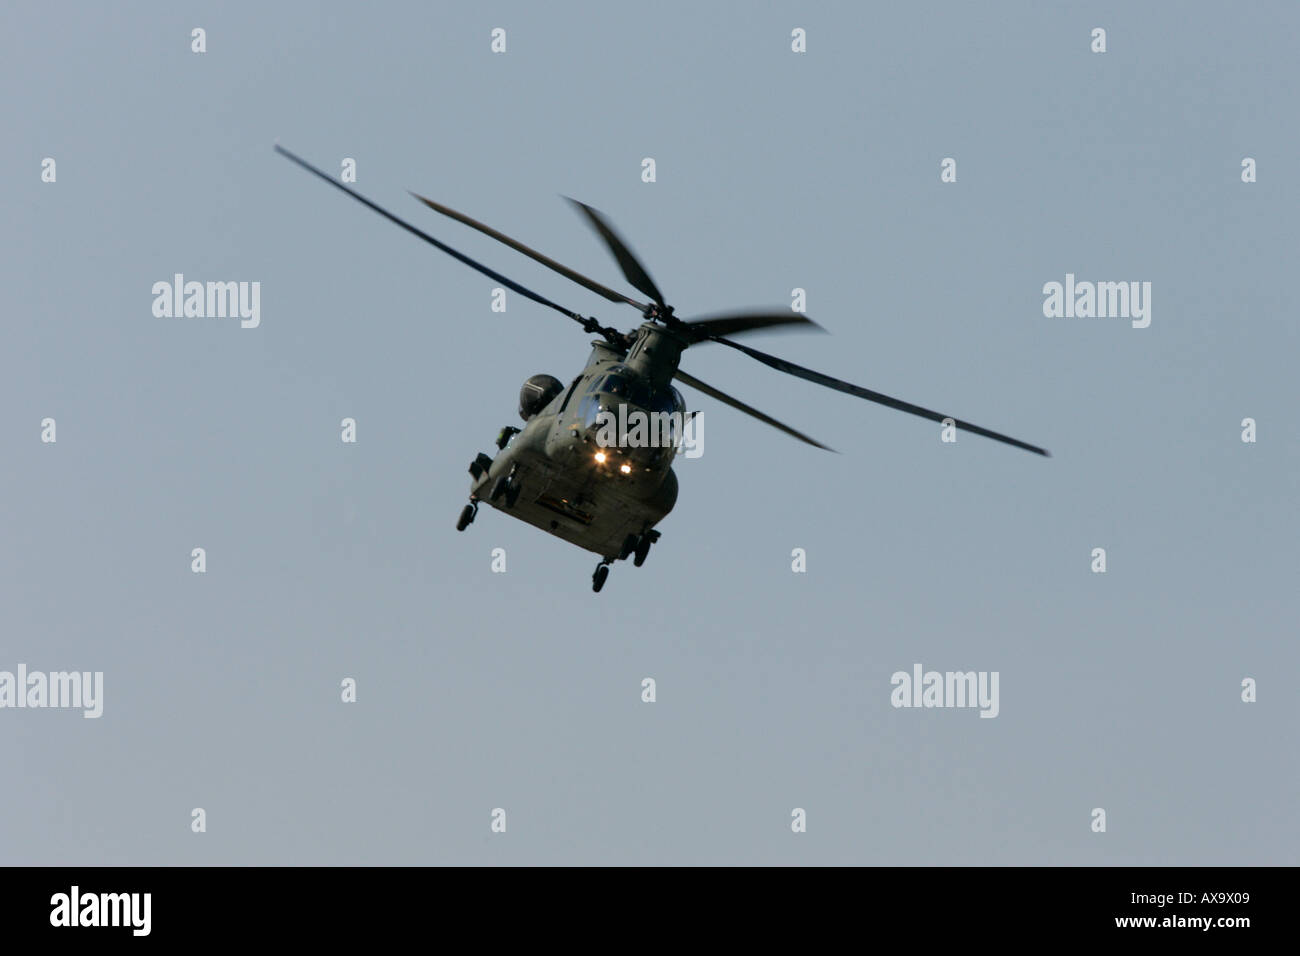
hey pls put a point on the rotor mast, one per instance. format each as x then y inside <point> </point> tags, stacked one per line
<point>655,353</point>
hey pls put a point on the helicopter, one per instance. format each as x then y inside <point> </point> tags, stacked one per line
<point>567,471</point>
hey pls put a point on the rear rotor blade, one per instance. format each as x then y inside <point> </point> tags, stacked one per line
<point>547,261</point>
<point>734,323</point>
<point>490,273</point>
<point>808,374</point>
<point>736,403</point>
<point>633,271</point>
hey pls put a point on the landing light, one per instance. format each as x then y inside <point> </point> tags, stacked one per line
<point>600,457</point>
<point>625,469</point>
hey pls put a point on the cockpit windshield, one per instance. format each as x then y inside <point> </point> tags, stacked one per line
<point>616,385</point>
<point>666,400</point>
<point>630,389</point>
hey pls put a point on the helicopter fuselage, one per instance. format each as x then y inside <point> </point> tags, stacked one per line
<point>560,472</point>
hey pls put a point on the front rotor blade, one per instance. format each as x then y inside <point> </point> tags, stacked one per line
<point>790,368</point>
<point>726,399</point>
<point>490,273</point>
<point>633,271</point>
<point>733,323</point>
<point>547,261</point>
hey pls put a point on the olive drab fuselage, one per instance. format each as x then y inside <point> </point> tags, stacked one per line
<point>563,479</point>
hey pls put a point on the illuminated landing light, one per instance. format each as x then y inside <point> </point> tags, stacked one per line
<point>600,457</point>
<point>625,469</point>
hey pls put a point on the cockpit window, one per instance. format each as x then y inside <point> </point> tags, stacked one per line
<point>621,383</point>
<point>661,401</point>
<point>615,385</point>
<point>588,410</point>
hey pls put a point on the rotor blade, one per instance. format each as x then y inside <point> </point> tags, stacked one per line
<point>726,399</point>
<point>733,323</point>
<point>633,271</point>
<point>518,246</point>
<point>490,273</point>
<point>782,365</point>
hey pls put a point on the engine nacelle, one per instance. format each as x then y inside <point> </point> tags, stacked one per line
<point>537,393</point>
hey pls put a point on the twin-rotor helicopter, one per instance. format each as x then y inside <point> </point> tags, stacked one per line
<point>561,472</point>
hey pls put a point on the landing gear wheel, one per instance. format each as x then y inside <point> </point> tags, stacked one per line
<point>642,549</point>
<point>499,487</point>
<point>629,545</point>
<point>598,579</point>
<point>466,517</point>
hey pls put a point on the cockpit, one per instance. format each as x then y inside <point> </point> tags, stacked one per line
<point>620,412</point>
<point>616,387</point>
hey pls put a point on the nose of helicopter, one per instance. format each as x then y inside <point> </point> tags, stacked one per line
<point>627,439</point>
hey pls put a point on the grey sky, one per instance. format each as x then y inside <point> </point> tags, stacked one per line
<point>522,690</point>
